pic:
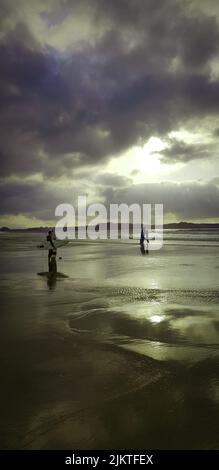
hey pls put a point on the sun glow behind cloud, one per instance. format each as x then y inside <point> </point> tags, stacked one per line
<point>142,163</point>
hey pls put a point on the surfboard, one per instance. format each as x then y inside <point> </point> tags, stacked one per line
<point>47,245</point>
<point>52,275</point>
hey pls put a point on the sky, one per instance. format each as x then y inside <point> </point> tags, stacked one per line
<point>117,100</point>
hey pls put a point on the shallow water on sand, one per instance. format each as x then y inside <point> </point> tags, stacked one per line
<point>121,354</point>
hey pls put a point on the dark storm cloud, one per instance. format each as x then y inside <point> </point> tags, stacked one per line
<point>198,40</point>
<point>179,151</point>
<point>165,26</point>
<point>186,200</point>
<point>40,199</point>
<point>108,179</point>
<point>33,199</point>
<point>103,98</point>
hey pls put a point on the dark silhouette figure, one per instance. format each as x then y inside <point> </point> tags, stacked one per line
<point>142,244</point>
<point>52,249</point>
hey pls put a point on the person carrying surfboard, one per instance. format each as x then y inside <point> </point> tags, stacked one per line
<point>142,240</point>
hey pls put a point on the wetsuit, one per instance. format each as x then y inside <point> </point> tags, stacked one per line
<point>142,239</point>
<point>50,252</point>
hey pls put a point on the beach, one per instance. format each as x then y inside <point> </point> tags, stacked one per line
<point>121,353</point>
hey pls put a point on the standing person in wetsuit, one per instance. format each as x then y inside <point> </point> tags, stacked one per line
<point>52,249</point>
<point>142,239</point>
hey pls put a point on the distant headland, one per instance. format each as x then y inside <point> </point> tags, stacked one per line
<point>173,225</point>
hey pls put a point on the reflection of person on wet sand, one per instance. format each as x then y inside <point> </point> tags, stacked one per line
<point>143,237</point>
<point>52,263</point>
<point>51,279</point>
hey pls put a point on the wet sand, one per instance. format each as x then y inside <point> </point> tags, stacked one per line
<point>94,362</point>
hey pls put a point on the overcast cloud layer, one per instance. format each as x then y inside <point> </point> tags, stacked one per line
<point>83,82</point>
